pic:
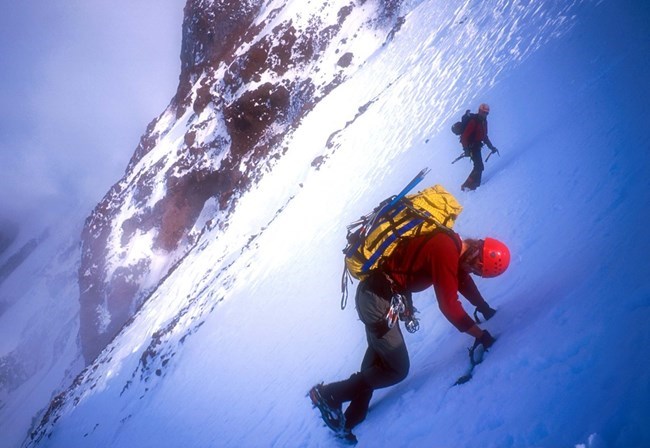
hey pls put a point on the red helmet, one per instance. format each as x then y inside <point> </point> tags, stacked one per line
<point>496,257</point>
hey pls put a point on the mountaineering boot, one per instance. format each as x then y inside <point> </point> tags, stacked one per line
<point>330,410</point>
<point>358,409</point>
<point>468,185</point>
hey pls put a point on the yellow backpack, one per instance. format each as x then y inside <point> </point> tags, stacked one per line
<point>373,237</point>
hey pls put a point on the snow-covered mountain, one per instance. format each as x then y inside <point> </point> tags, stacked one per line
<point>250,72</point>
<point>209,276</point>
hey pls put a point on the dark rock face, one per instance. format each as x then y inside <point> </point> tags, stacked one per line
<point>246,81</point>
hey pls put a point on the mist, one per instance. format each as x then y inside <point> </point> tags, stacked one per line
<point>80,83</point>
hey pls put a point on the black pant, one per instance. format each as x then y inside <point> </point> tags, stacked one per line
<point>385,363</point>
<point>474,178</point>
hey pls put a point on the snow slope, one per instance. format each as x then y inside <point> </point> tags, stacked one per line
<point>224,351</point>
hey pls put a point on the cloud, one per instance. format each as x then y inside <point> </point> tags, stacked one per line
<point>84,80</point>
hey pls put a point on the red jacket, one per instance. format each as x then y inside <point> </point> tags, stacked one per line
<point>476,132</point>
<point>427,260</point>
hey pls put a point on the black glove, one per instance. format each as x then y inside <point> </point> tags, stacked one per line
<point>481,344</point>
<point>486,312</point>
<point>486,340</point>
<point>467,152</point>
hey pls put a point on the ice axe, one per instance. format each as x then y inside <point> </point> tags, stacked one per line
<point>461,156</point>
<point>493,151</point>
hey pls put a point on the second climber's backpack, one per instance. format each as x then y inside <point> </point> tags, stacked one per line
<point>374,236</point>
<point>459,127</point>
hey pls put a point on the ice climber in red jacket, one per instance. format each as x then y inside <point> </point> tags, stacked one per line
<point>441,260</point>
<point>472,139</point>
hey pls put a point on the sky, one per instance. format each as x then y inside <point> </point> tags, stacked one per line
<point>79,82</point>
